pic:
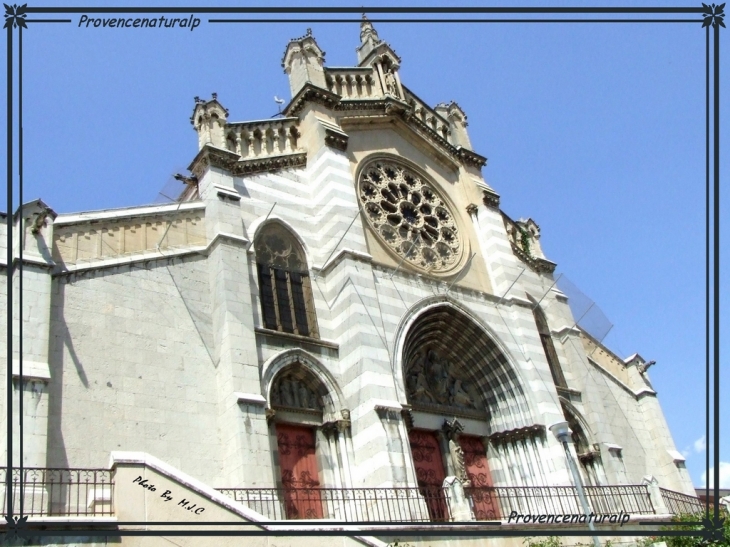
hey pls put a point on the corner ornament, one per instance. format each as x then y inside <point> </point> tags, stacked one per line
<point>713,15</point>
<point>15,16</point>
<point>16,527</point>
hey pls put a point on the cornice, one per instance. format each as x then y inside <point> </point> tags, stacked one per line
<point>540,265</point>
<point>311,93</point>
<point>210,156</point>
<point>396,108</point>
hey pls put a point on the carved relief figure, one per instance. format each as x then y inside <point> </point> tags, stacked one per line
<point>458,396</point>
<point>287,398</point>
<point>430,379</point>
<point>293,392</point>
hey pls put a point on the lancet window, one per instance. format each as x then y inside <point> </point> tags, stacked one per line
<point>284,284</point>
<point>588,455</point>
<point>548,346</point>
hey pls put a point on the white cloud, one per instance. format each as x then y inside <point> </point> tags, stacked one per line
<point>724,475</point>
<point>700,444</point>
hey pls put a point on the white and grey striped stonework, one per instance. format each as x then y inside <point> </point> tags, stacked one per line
<point>502,264</point>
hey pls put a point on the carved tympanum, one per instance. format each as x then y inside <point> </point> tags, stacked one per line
<point>430,380</point>
<point>409,215</point>
<point>293,392</point>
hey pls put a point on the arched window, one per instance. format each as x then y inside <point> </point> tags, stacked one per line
<point>547,344</point>
<point>284,285</point>
<point>588,455</point>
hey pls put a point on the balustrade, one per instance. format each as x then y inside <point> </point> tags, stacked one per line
<point>353,83</point>
<point>59,492</point>
<point>427,116</point>
<point>264,138</point>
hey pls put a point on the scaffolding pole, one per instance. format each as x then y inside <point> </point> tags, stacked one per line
<point>510,287</point>
<point>338,243</point>
<point>413,244</point>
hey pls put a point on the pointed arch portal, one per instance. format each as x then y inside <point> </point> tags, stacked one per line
<point>451,363</point>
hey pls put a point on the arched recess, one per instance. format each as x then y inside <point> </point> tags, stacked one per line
<point>309,431</point>
<point>467,353</point>
<point>299,364</point>
<point>453,365</point>
<point>285,289</point>
<point>586,449</point>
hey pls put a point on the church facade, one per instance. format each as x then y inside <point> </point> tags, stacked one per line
<point>336,302</point>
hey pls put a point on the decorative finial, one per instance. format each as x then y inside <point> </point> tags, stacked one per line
<point>309,32</point>
<point>367,30</point>
<point>215,96</point>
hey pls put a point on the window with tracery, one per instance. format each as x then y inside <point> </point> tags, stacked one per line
<point>548,346</point>
<point>588,455</point>
<point>284,285</point>
<point>409,216</point>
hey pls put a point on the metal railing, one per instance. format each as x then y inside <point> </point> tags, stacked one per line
<point>433,504</point>
<point>680,504</point>
<point>346,504</point>
<point>501,501</point>
<point>60,492</point>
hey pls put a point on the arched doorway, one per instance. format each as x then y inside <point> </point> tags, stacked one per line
<point>453,369</point>
<point>311,442</point>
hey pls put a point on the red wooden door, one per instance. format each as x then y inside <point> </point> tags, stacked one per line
<point>298,464</point>
<point>429,471</point>
<point>477,470</point>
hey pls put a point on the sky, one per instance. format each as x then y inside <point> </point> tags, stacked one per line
<point>595,131</point>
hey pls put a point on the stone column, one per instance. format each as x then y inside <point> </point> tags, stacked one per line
<point>344,445</point>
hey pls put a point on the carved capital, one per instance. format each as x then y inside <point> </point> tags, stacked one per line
<point>270,415</point>
<point>452,429</point>
<point>335,139</point>
<point>517,434</point>
<point>490,198</point>
<point>388,413</point>
<point>329,428</point>
<point>407,415</point>
<point>472,209</point>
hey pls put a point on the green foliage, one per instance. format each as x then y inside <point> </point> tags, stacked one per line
<point>550,541</point>
<point>693,541</point>
<point>525,241</point>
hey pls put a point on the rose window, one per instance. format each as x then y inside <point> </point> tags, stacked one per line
<point>409,215</point>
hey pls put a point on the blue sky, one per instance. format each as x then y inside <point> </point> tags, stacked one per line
<point>596,131</point>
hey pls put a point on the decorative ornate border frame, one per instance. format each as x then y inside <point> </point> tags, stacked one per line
<point>708,17</point>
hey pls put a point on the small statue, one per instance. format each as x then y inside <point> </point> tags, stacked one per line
<point>285,392</point>
<point>391,86</point>
<point>304,397</point>
<point>457,458</point>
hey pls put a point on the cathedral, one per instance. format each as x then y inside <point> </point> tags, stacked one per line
<point>336,322</point>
